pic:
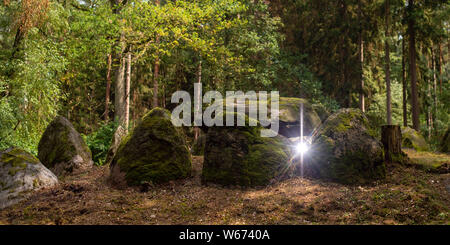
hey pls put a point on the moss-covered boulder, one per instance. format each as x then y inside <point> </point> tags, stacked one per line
<point>289,113</point>
<point>155,152</point>
<point>20,175</point>
<point>413,139</point>
<point>345,150</point>
<point>239,156</point>
<point>445,143</point>
<point>62,149</point>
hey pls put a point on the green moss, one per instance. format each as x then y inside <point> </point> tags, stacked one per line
<point>356,168</point>
<point>35,182</point>
<point>413,139</point>
<point>18,159</point>
<point>60,143</point>
<point>338,154</point>
<point>154,152</point>
<point>240,156</point>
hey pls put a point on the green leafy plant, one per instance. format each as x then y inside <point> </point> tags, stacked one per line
<point>100,141</point>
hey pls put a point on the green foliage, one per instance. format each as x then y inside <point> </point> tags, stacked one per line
<point>307,49</point>
<point>294,79</point>
<point>89,37</point>
<point>377,110</point>
<point>99,142</point>
<point>29,87</point>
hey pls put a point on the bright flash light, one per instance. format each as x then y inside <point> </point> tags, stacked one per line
<point>301,148</point>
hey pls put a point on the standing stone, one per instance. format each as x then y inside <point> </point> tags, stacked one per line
<point>20,175</point>
<point>344,149</point>
<point>155,152</point>
<point>289,113</point>
<point>413,139</point>
<point>239,156</point>
<point>62,149</point>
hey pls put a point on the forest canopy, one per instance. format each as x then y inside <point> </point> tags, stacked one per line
<point>94,61</point>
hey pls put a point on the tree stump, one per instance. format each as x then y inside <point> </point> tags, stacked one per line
<point>391,137</point>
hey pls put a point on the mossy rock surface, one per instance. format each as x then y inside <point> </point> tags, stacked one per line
<point>21,174</point>
<point>289,114</point>
<point>62,149</point>
<point>155,152</point>
<point>239,156</point>
<point>413,139</point>
<point>345,150</point>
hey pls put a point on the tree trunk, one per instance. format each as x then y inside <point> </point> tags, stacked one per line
<point>388,69</point>
<point>127,91</point>
<point>361,61</point>
<point>119,100</point>
<point>156,71</point>
<point>429,104</point>
<point>108,87</point>
<point>435,96</point>
<point>440,68</point>
<point>199,80</point>
<point>404,85</point>
<point>155,78</point>
<point>391,137</point>
<point>412,68</point>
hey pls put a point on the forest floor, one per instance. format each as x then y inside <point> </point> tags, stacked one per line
<point>409,195</point>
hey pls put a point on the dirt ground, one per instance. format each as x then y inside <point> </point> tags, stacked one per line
<point>408,196</point>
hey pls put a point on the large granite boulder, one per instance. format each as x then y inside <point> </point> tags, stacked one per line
<point>62,149</point>
<point>155,152</point>
<point>20,175</point>
<point>413,139</point>
<point>289,113</point>
<point>344,149</point>
<point>239,156</point>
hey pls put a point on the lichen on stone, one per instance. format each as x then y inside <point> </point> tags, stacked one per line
<point>413,139</point>
<point>21,173</point>
<point>239,156</point>
<point>345,150</point>
<point>62,148</point>
<point>155,151</point>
